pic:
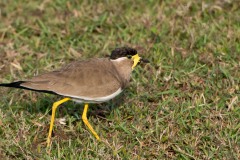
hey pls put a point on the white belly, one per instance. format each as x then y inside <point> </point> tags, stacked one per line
<point>82,99</point>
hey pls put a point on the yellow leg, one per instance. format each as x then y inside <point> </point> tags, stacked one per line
<point>85,120</point>
<point>54,107</point>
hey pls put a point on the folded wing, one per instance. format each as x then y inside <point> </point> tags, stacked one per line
<point>93,78</point>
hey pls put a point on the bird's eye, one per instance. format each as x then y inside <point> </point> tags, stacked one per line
<point>129,56</point>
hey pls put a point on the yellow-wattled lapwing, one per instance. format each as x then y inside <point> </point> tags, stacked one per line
<point>92,81</point>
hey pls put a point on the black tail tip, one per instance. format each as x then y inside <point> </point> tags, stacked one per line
<point>13,84</point>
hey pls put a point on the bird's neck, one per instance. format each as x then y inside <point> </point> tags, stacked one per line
<point>124,68</point>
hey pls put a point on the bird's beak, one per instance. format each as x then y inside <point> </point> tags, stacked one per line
<point>137,60</point>
<point>144,60</point>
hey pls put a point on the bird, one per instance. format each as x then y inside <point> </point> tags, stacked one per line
<point>95,80</point>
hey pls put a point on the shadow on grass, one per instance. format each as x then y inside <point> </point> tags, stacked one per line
<point>45,102</point>
<point>43,105</point>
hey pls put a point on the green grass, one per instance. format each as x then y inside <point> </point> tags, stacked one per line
<point>184,105</point>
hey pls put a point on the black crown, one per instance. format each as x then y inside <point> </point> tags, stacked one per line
<point>123,52</point>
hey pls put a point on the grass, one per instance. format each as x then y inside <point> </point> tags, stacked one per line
<point>184,105</point>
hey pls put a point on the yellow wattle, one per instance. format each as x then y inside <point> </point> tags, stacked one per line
<point>135,59</point>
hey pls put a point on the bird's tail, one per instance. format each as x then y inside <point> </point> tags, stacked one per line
<point>17,84</point>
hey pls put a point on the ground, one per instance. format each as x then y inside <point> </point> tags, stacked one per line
<point>183,105</point>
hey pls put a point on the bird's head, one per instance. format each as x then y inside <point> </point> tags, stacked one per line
<point>129,53</point>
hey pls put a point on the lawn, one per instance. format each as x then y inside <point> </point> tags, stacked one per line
<point>183,105</point>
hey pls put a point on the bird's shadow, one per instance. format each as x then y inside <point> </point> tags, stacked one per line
<point>43,106</point>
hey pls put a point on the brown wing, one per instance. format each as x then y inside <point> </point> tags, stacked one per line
<point>93,78</point>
